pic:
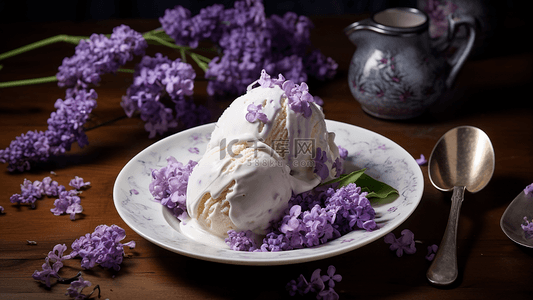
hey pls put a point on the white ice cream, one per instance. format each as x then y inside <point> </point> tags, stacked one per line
<point>250,170</point>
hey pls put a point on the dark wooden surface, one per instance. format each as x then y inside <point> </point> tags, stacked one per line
<point>492,92</point>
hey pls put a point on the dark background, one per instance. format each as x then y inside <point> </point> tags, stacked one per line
<point>79,10</point>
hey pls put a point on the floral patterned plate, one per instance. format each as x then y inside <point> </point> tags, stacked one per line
<point>384,160</point>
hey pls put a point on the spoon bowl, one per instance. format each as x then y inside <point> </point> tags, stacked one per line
<point>513,217</point>
<point>462,159</point>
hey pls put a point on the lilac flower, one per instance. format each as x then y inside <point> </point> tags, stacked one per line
<point>249,42</point>
<point>169,186</point>
<point>422,160</point>
<point>432,251</point>
<point>65,126</point>
<point>321,169</point>
<point>316,284</point>
<point>30,192</point>
<point>343,153</point>
<point>99,55</point>
<point>101,247</point>
<point>53,262</point>
<point>255,113</point>
<point>76,287</point>
<point>331,277</point>
<point>403,244</point>
<point>351,207</point>
<point>78,183</point>
<point>241,241</point>
<point>1,210</point>
<point>528,228</point>
<point>68,202</point>
<point>529,190</point>
<point>158,78</point>
<point>298,97</point>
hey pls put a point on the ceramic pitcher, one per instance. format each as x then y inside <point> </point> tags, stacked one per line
<point>396,72</point>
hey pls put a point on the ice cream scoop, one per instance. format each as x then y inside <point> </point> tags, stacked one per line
<point>266,147</point>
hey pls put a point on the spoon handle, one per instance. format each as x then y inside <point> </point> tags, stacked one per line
<point>443,270</point>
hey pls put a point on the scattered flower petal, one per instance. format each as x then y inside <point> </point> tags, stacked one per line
<point>405,243</point>
<point>422,160</point>
<point>432,251</point>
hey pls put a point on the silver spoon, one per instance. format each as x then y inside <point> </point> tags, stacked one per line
<point>513,216</point>
<point>462,159</point>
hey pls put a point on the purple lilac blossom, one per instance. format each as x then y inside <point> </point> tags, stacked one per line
<point>31,191</point>
<point>316,284</point>
<point>321,169</point>
<point>528,228</point>
<point>68,202</point>
<point>99,55</point>
<point>1,209</point>
<point>241,241</point>
<point>298,96</point>
<point>432,251</point>
<point>529,190</point>
<point>405,243</point>
<point>53,262</point>
<point>422,160</point>
<point>343,153</point>
<point>314,218</point>
<point>255,113</point>
<point>78,183</point>
<point>65,126</point>
<point>249,42</point>
<point>76,287</point>
<point>159,78</point>
<point>169,186</point>
<point>101,247</point>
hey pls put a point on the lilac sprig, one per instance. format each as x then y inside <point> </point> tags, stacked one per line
<point>31,191</point>
<point>298,97</point>
<point>403,244</point>
<point>169,186</point>
<point>249,42</point>
<point>65,126</point>
<point>99,55</point>
<point>159,78</point>
<point>76,287</point>
<point>53,263</point>
<point>314,218</point>
<point>102,247</point>
<point>316,284</point>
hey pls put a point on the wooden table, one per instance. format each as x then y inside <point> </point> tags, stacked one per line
<point>492,93</point>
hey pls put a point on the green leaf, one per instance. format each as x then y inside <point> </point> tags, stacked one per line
<point>346,179</point>
<point>374,188</point>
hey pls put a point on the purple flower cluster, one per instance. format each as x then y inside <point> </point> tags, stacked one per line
<point>316,284</point>
<point>99,55</point>
<point>157,79</point>
<point>53,262</point>
<point>405,243</point>
<point>249,42</point>
<point>65,126</point>
<point>68,201</point>
<point>101,247</point>
<point>528,228</point>
<point>313,218</point>
<point>298,96</point>
<point>169,186</point>
<point>255,113</point>
<point>76,287</point>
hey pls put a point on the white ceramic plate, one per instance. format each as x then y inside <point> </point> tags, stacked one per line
<point>383,159</point>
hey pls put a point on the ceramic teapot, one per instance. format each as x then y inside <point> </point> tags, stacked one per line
<point>397,72</point>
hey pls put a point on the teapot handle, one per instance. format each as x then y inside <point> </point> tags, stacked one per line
<point>460,57</point>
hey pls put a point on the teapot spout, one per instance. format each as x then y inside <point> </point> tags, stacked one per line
<point>353,30</point>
